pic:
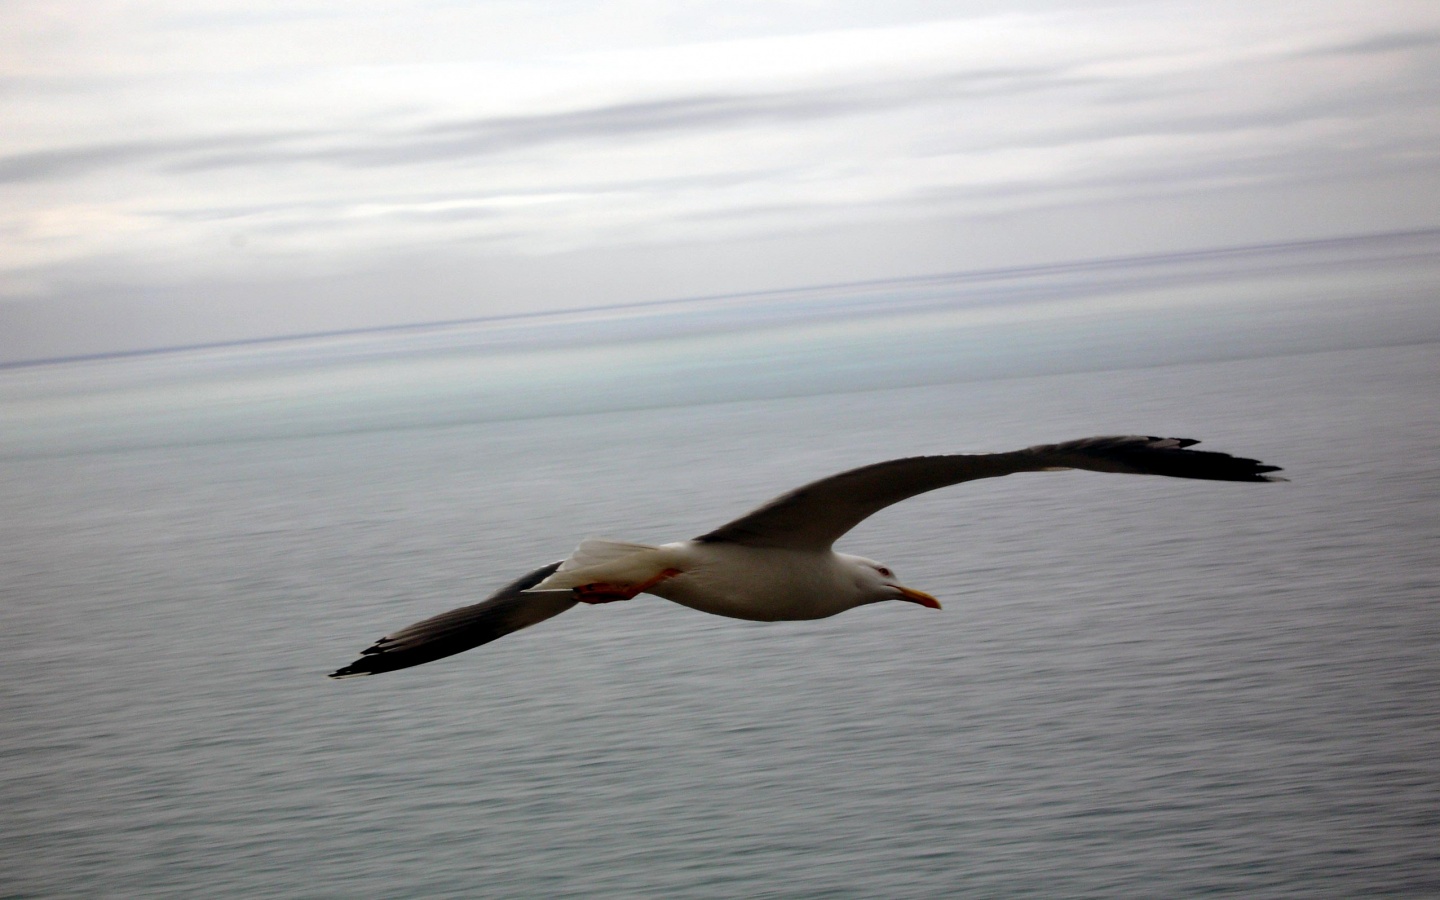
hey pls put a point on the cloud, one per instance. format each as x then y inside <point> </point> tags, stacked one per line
<point>507,134</point>
<point>216,159</point>
<point>1397,42</point>
<point>67,162</point>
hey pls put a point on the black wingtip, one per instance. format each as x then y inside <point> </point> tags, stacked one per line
<point>1172,456</point>
<point>508,609</point>
<point>365,665</point>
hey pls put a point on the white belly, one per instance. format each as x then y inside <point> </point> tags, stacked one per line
<point>756,583</point>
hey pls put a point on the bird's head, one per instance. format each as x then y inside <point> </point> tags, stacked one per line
<point>876,582</point>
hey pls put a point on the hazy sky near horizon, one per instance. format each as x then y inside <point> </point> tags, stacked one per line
<point>204,170</point>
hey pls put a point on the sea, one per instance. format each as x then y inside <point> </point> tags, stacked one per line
<point>1138,687</point>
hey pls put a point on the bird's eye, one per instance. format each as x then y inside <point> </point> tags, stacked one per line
<point>884,571</point>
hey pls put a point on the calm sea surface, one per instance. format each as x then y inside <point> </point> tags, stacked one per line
<point>1138,686</point>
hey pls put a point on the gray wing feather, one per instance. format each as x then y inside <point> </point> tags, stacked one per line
<point>508,609</point>
<point>814,516</point>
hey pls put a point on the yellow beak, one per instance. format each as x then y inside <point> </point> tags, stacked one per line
<point>919,597</point>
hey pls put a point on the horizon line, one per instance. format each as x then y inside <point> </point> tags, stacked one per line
<point>1074,265</point>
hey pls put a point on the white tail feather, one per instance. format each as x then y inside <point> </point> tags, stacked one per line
<point>596,552</point>
<point>611,562</point>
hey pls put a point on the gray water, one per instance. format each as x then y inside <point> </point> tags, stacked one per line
<point>1138,686</point>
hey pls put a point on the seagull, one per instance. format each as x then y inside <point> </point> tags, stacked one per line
<point>776,563</point>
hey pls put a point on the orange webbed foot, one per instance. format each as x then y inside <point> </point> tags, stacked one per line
<point>601,592</point>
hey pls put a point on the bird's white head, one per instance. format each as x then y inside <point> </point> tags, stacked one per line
<point>875,582</point>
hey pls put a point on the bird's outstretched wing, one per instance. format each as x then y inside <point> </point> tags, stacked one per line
<point>508,609</point>
<point>814,516</point>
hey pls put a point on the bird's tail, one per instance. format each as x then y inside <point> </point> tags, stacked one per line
<point>612,562</point>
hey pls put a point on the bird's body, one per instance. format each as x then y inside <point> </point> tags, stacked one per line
<point>776,562</point>
<point>762,584</point>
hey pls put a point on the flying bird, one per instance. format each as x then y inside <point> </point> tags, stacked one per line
<point>776,563</point>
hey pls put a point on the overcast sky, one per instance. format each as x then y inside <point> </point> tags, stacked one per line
<point>176,171</point>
